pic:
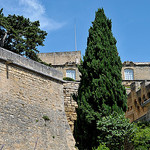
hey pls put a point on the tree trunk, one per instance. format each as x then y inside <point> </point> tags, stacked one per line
<point>3,40</point>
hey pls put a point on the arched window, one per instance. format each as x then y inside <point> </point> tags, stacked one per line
<point>71,74</point>
<point>128,73</point>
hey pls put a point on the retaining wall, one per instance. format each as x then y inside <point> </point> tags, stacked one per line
<point>31,106</point>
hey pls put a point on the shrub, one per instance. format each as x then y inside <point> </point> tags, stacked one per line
<point>68,79</point>
<point>114,130</point>
<point>141,138</point>
<point>102,147</point>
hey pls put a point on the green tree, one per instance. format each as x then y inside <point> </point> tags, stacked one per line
<point>20,35</point>
<point>115,130</point>
<point>141,138</point>
<point>100,91</point>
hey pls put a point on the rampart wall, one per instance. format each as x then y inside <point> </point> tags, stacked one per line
<point>139,101</point>
<point>31,106</point>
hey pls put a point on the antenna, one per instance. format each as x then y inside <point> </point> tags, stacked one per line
<point>75,36</point>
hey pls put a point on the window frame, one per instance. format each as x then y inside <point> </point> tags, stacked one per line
<point>128,74</point>
<point>73,76</point>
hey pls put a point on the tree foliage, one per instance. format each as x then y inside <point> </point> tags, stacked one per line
<point>100,91</point>
<point>114,130</point>
<point>20,35</point>
<point>141,138</point>
<point>102,147</point>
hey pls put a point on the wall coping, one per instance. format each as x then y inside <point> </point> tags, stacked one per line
<point>134,80</point>
<point>147,102</point>
<point>13,58</point>
<point>134,64</point>
<point>64,52</point>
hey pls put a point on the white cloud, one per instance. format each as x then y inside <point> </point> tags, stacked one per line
<point>36,11</point>
<point>32,4</point>
<point>32,9</point>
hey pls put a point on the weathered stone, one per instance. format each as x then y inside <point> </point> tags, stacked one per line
<point>139,101</point>
<point>28,92</point>
<point>70,104</point>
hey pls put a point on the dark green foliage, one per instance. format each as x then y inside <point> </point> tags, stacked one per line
<point>114,130</point>
<point>68,79</point>
<point>100,91</point>
<point>46,118</point>
<point>20,35</point>
<point>141,138</point>
<point>102,147</point>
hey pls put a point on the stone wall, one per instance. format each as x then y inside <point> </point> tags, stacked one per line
<point>31,106</point>
<point>70,88</point>
<point>60,58</point>
<point>138,101</point>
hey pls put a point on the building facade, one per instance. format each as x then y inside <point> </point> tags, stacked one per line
<point>135,72</point>
<point>136,79</point>
<point>66,62</point>
<point>139,101</point>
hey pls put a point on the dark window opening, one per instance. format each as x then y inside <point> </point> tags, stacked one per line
<point>139,99</point>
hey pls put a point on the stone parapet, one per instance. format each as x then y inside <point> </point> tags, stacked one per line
<point>13,58</point>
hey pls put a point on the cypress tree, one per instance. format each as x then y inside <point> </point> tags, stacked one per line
<point>100,91</point>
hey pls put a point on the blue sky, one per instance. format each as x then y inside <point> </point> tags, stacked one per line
<point>130,23</point>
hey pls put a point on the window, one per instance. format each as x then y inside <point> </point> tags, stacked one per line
<point>71,74</point>
<point>128,73</point>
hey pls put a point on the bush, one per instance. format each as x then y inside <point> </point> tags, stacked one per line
<point>141,138</point>
<point>102,147</point>
<point>68,79</point>
<point>114,130</point>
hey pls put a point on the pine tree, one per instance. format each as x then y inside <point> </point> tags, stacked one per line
<point>20,35</point>
<point>100,91</point>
